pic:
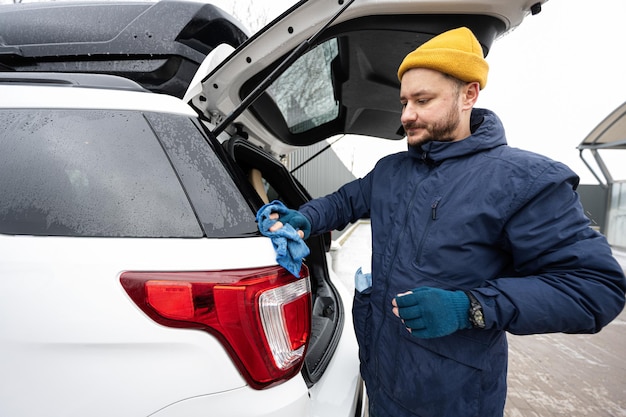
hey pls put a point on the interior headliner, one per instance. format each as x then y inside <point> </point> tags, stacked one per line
<point>366,84</point>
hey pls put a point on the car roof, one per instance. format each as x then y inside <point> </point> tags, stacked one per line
<point>373,36</point>
<point>83,91</point>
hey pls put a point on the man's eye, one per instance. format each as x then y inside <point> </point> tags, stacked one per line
<point>422,101</point>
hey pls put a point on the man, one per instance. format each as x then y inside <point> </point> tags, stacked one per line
<point>471,238</point>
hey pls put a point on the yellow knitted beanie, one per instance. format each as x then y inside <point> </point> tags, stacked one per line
<point>455,52</point>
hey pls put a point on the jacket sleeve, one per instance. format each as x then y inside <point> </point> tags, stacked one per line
<point>335,211</point>
<point>564,278</point>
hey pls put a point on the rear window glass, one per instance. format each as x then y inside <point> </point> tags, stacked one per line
<point>92,173</point>
<point>304,93</point>
<point>218,202</point>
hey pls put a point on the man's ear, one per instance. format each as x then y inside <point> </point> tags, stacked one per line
<point>470,95</point>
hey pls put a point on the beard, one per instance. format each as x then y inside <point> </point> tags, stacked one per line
<point>439,131</point>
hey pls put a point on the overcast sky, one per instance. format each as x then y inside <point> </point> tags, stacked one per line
<point>551,81</point>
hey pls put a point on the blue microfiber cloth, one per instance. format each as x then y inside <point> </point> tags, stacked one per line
<point>362,281</point>
<point>289,246</point>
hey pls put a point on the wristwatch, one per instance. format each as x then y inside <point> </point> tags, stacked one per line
<point>475,312</point>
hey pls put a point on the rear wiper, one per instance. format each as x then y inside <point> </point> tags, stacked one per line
<point>267,81</point>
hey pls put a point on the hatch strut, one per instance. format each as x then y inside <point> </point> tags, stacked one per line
<point>266,82</point>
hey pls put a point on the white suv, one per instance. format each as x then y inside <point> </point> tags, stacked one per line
<point>133,280</point>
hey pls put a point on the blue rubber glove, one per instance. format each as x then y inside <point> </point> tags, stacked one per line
<point>433,312</point>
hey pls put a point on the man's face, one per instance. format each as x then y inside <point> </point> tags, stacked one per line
<point>430,107</point>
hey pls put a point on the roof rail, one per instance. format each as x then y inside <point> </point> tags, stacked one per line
<point>70,80</point>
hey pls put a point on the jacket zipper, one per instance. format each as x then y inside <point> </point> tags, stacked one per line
<point>433,216</point>
<point>433,208</point>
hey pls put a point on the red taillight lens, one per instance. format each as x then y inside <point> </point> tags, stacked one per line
<point>172,299</point>
<point>262,316</point>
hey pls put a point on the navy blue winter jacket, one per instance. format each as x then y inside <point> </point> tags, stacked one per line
<point>474,215</point>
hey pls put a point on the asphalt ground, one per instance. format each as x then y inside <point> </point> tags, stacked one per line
<point>549,375</point>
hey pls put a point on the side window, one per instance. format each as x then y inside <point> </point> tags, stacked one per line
<point>304,93</point>
<point>216,198</point>
<point>88,173</point>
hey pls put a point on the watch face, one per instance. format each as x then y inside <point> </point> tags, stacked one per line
<point>475,312</point>
<point>477,318</point>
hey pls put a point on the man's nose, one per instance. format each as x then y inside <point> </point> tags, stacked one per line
<point>408,114</point>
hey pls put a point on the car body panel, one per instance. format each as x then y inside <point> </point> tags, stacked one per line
<point>287,400</point>
<point>78,313</point>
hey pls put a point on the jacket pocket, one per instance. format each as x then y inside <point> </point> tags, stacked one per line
<point>430,384</point>
<point>361,314</point>
<point>458,375</point>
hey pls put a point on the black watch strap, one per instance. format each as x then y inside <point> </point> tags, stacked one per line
<point>475,312</point>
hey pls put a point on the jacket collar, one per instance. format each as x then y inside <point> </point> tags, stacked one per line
<point>487,133</point>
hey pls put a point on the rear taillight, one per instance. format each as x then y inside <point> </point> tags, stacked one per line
<point>262,316</point>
